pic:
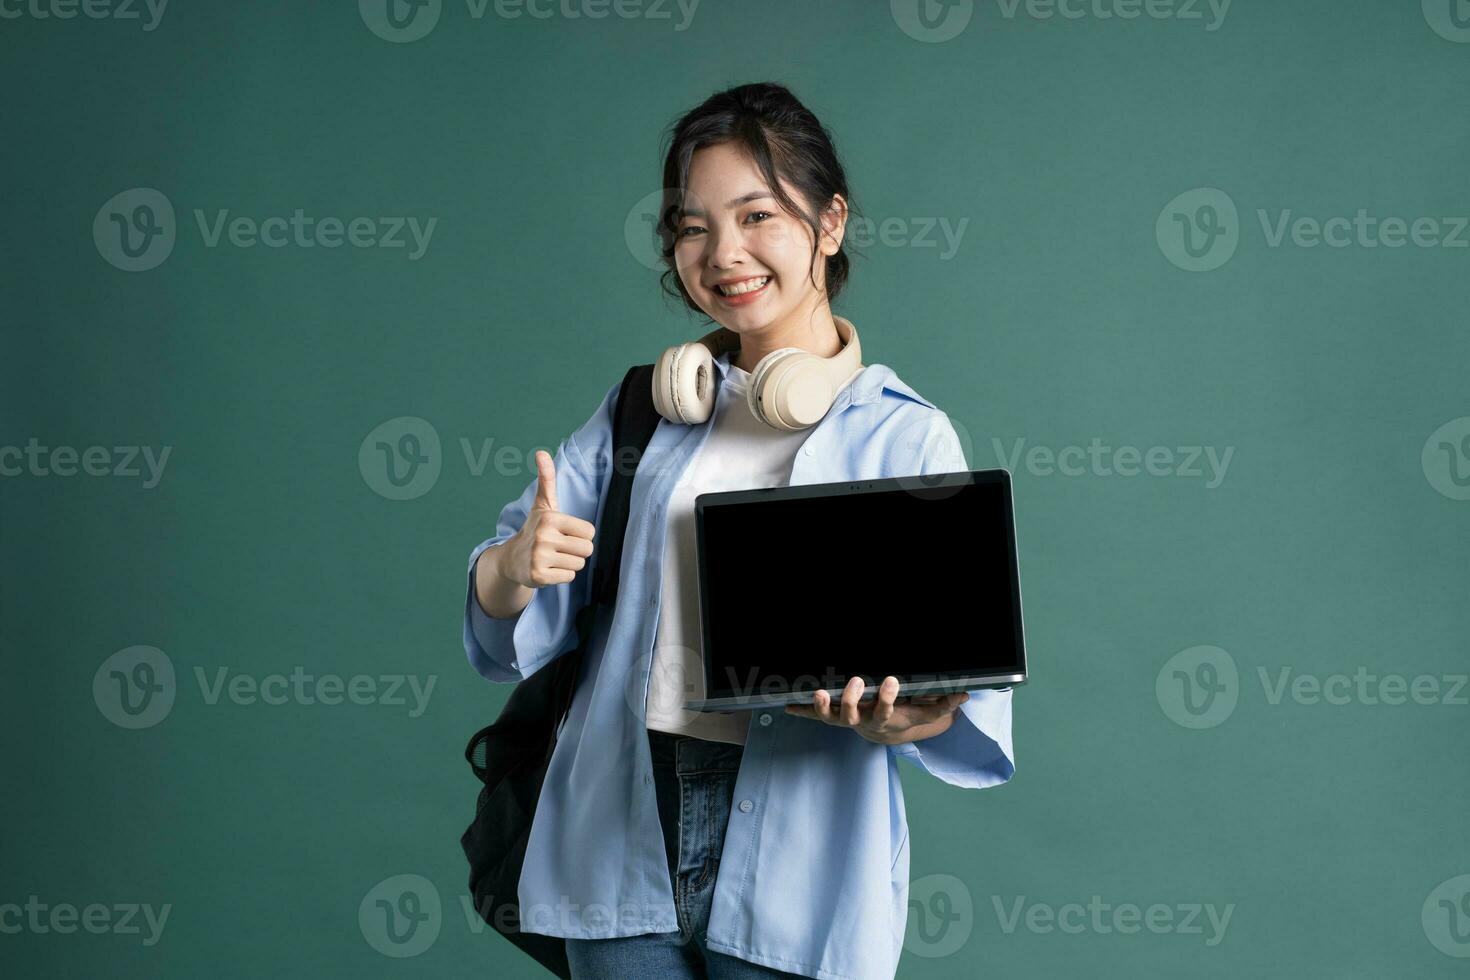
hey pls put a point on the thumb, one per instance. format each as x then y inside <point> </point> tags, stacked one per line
<point>546,481</point>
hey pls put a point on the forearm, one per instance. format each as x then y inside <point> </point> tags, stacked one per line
<point>498,596</point>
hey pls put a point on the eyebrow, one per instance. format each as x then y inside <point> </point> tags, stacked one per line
<point>732,203</point>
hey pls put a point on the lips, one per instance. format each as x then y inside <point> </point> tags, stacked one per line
<point>721,288</point>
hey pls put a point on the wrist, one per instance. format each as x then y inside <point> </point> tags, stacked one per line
<point>499,596</point>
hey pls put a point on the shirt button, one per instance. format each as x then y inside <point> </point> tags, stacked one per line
<point>807,450</point>
<point>515,665</point>
<point>746,806</point>
<point>765,718</point>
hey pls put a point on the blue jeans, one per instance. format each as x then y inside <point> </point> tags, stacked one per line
<point>695,780</point>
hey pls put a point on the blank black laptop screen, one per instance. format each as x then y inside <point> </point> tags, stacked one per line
<point>805,593</point>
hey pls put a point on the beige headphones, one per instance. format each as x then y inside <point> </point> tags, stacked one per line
<point>790,389</point>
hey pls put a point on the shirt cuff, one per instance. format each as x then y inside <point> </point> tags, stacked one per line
<point>510,650</point>
<point>975,751</point>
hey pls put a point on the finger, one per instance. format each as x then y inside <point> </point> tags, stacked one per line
<point>562,559</point>
<point>812,710</point>
<point>850,694</point>
<point>572,544</point>
<point>829,709</point>
<point>545,481</point>
<point>887,693</point>
<point>822,706</point>
<point>571,525</point>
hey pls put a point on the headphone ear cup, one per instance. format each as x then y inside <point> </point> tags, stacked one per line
<point>684,384</point>
<point>764,381</point>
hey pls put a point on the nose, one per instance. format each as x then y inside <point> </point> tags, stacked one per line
<point>726,249</point>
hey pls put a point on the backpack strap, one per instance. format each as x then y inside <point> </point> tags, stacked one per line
<point>633,426</point>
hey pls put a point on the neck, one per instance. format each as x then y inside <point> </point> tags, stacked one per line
<point>810,328</point>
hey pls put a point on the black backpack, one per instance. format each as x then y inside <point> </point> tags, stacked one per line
<point>510,756</point>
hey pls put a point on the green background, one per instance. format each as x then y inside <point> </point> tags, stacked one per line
<point>1328,547</point>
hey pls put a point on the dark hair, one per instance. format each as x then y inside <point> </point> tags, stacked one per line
<point>784,139</point>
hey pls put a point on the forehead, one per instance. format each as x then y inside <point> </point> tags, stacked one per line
<point>723,177</point>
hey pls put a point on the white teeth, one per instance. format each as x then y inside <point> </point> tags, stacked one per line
<point>743,287</point>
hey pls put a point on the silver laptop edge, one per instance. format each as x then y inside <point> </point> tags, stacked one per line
<point>870,691</point>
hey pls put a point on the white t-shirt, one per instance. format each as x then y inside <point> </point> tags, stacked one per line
<point>740,453</point>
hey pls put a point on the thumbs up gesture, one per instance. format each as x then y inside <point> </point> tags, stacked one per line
<point>551,547</point>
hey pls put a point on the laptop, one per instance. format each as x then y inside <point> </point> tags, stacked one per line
<point>801,588</point>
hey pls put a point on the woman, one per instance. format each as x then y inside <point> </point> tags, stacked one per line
<point>775,840</point>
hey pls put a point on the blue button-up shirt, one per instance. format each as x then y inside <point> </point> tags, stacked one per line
<point>813,878</point>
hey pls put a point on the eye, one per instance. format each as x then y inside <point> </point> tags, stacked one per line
<point>684,232</point>
<point>766,213</point>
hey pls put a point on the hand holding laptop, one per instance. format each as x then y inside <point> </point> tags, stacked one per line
<point>886,719</point>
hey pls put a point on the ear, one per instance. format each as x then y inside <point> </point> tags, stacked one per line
<point>834,224</point>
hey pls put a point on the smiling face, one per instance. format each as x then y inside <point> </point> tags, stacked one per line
<point>733,229</point>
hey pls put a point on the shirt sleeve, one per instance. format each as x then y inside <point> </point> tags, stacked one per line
<point>975,751</point>
<point>510,650</point>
